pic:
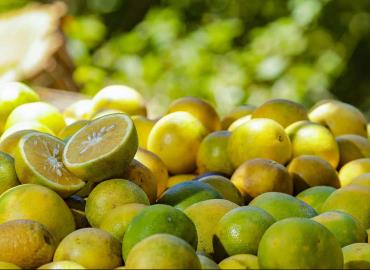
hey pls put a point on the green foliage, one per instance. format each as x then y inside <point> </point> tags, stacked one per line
<point>227,51</point>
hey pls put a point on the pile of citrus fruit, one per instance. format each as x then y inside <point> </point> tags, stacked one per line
<point>102,186</point>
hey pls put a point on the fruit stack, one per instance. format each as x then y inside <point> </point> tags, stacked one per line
<point>102,186</point>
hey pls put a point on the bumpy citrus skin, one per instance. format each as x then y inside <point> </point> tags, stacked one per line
<point>90,247</point>
<point>109,195</point>
<point>259,138</point>
<point>343,226</point>
<point>281,205</point>
<point>110,164</point>
<point>162,251</point>
<point>38,203</point>
<point>240,231</point>
<point>8,176</point>
<point>200,109</point>
<point>205,215</point>
<point>357,256</point>
<point>156,166</point>
<point>212,154</point>
<point>283,111</point>
<point>175,138</point>
<point>299,243</point>
<point>155,219</point>
<point>240,261</point>
<point>185,194</point>
<point>26,243</point>
<point>353,200</point>
<point>313,139</point>
<point>224,186</point>
<point>340,117</point>
<point>316,196</point>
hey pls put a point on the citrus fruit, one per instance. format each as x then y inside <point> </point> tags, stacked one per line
<point>162,251</point>
<point>235,114</point>
<point>259,138</point>
<point>62,265</point>
<point>362,180</point>
<point>316,196</point>
<point>205,215</point>
<point>158,219</point>
<point>313,139</point>
<point>77,206</point>
<point>357,256</point>
<point>187,193</point>
<point>13,94</point>
<point>143,126</point>
<point>200,109</point>
<point>8,176</point>
<point>343,226</point>
<point>175,138</point>
<point>240,261</point>
<point>212,154</point>
<point>283,111</point>
<point>7,265</point>
<point>156,166</point>
<point>281,205</point>
<point>224,186</point>
<point>352,147</point>
<point>353,200</point>
<point>353,169</point>
<point>119,97</point>
<point>116,221</point>
<point>87,188</point>
<point>143,177</point>
<point>26,243</point>
<point>109,195</point>
<point>299,243</point>
<point>341,118</point>
<point>105,113</point>
<point>103,149</point>
<point>11,136</point>
<point>90,247</point>
<point>308,171</point>
<point>77,111</point>
<point>41,112</point>
<point>38,203</point>
<point>260,175</point>
<point>39,161</point>
<point>180,178</point>
<point>240,231</point>
<point>238,122</point>
<point>71,129</point>
<point>207,263</point>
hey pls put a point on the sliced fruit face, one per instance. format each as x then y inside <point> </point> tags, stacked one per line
<point>39,161</point>
<point>102,149</point>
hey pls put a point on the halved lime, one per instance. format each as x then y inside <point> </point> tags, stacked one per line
<point>102,149</point>
<point>38,160</point>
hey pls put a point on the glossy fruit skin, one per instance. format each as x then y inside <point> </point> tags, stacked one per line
<point>299,243</point>
<point>259,138</point>
<point>343,226</point>
<point>353,169</point>
<point>352,147</point>
<point>240,261</point>
<point>155,219</point>
<point>235,114</point>
<point>357,256</point>
<point>240,231</point>
<point>185,194</point>
<point>8,176</point>
<point>176,138</point>
<point>316,196</point>
<point>282,206</point>
<point>162,251</point>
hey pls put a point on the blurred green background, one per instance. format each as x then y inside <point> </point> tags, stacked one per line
<point>229,52</point>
